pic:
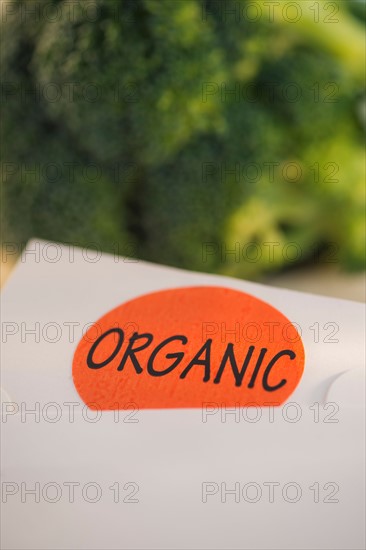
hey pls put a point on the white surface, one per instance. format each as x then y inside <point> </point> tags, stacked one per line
<point>170,453</point>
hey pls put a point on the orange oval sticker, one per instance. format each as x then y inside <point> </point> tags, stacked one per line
<point>186,347</point>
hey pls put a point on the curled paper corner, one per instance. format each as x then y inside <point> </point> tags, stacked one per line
<point>4,396</point>
<point>348,389</point>
<point>7,404</point>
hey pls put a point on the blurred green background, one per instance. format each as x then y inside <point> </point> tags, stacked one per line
<point>216,136</point>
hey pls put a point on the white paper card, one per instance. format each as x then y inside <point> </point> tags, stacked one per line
<point>290,477</point>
